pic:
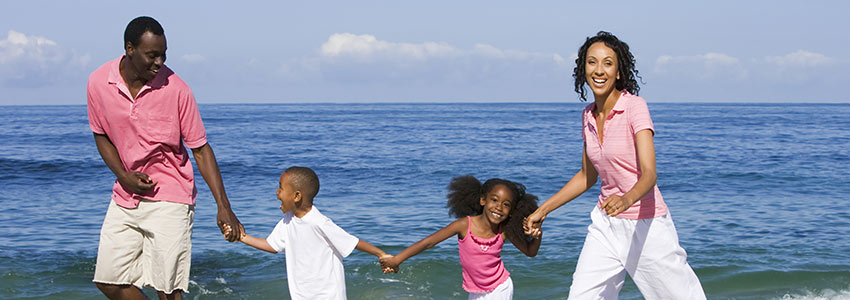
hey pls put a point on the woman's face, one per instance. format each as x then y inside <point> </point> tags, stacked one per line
<point>601,70</point>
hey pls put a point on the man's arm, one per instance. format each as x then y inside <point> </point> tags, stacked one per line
<point>137,182</point>
<point>208,167</point>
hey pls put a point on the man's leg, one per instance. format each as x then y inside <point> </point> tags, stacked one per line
<point>167,254</point>
<point>123,292</point>
<point>118,251</point>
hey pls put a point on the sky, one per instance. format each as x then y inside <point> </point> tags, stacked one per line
<point>434,51</point>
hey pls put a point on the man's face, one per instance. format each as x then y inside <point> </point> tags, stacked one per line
<point>148,55</point>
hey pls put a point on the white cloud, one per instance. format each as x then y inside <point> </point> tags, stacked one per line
<point>347,57</point>
<point>367,47</point>
<point>32,61</point>
<point>705,66</point>
<point>800,59</point>
<point>193,58</point>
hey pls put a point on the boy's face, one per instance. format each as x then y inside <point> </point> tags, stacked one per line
<point>287,195</point>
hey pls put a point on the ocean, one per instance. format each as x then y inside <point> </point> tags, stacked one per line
<point>758,193</point>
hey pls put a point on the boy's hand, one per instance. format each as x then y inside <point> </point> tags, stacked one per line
<point>388,264</point>
<point>227,230</point>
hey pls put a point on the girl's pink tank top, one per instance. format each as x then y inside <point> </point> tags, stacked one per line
<point>481,261</point>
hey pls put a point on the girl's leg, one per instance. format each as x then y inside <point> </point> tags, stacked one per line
<point>599,272</point>
<point>658,265</point>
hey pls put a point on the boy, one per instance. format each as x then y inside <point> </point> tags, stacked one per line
<point>314,245</point>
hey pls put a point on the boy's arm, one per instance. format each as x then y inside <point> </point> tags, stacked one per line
<point>452,229</point>
<point>369,248</point>
<point>250,240</point>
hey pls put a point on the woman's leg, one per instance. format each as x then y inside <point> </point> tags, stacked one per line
<point>658,264</point>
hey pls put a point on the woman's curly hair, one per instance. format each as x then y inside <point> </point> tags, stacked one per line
<point>464,199</point>
<point>625,61</point>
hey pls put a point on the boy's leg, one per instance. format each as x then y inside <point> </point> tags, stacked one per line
<point>166,258</point>
<point>599,272</point>
<point>118,268</point>
<point>658,264</point>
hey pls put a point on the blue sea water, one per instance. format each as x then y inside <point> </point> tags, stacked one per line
<point>758,192</point>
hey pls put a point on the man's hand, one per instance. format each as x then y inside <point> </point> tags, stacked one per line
<point>226,218</point>
<point>137,182</point>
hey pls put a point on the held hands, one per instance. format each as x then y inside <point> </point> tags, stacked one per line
<point>614,205</point>
<point>388,263</point>
<point>532,224</point>
<point>137,182</point>
<point>227,219</point>
<point>228,231</point>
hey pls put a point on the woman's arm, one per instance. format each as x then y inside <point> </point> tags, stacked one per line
<point>582,181</point>
<point>614,205</point>
<point>453,229</point>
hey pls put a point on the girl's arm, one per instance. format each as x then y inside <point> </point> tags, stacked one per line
<point>454,228</point>
<point>528,248</point>
<point>646,155</point>
<point>582,181</point>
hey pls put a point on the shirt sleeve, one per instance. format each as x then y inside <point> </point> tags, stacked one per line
<point>191,126</point>
<point>343,242</point>
<point>639,118</point>
<point>93,110</point>
<point>277,239</point>
<point>583,125</point>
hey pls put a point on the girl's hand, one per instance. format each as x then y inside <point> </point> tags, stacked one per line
<point>388,264</point>
<point>614,205</point>
<point>532,223</point>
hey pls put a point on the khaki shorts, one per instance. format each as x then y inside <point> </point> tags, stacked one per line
<point>148,246</point>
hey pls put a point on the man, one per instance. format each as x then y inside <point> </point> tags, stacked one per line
<point>141,115</point>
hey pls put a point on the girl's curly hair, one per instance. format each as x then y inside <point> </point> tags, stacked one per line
<point>625,61</point>
<point>464,200</point>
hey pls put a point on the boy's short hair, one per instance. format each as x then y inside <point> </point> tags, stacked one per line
<point>305,180</point>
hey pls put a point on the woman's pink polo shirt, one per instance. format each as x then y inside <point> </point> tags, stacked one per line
<point>149,132</point>
<point>615,159</point>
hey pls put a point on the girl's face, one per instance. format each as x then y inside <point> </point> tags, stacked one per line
<point>601,70</point>
<point>497,203</point>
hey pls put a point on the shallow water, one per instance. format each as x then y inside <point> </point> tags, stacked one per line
<point>758,193</point>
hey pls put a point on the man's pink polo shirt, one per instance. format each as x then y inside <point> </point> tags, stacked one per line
<point>616,157</point>
<point>149,132</point>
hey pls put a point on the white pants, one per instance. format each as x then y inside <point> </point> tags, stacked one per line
<point>504,291</point>
<point>647,249</point>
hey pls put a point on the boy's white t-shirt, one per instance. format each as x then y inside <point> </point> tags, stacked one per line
<point>314,248</point>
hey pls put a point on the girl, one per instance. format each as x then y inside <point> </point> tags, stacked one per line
<point>631,230</point>
<point>487,214</point>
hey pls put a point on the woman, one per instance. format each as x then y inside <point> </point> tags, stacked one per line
<point>631,230</point>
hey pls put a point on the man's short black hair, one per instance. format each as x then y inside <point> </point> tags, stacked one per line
<point>138,27</point>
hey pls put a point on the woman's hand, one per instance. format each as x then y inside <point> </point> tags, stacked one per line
<point>532,223</point>
<point>614,205</point>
